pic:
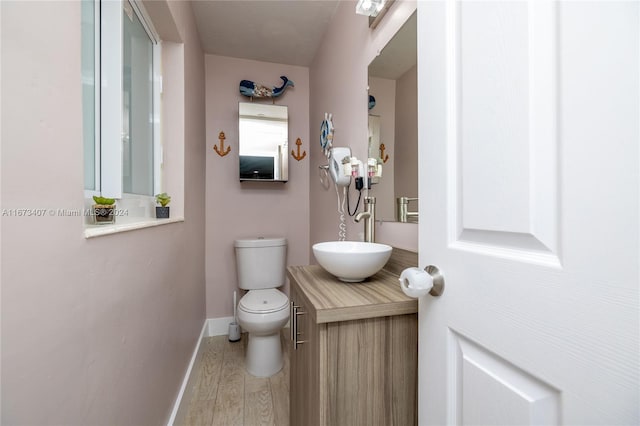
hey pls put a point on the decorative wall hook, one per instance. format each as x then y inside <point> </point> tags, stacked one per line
<point>298,156</point>
<point>221,152</point>
<point>384,158</point>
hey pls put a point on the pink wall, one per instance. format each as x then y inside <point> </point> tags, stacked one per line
<point>406,147</point>
<point>401,235</point>
<point>251,209</point>
<point>91,350</point>
<point>338,84</point>
<point>96,331</point>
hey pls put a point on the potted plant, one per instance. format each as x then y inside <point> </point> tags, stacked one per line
<point>162,211</point>
<point>103,210</point>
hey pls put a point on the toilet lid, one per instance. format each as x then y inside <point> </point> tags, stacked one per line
<point>264,301</point>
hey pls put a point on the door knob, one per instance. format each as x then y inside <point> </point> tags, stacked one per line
<point>416,282</point>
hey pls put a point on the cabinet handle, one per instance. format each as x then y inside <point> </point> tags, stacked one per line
<point>293,319</point>
<point>297,342</point>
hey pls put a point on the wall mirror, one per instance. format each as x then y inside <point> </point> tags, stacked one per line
<point>393,124</point>
<point>263,142</point>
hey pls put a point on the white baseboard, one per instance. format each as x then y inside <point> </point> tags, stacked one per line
<point>218,326</point>
<point>211,327</point>
<point>174,412</point>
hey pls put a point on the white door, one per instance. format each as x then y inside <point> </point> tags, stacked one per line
<point>529,193</point>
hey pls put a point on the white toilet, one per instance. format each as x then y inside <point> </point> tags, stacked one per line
<point>264,310</point>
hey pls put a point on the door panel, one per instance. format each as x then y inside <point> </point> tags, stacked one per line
<point>529,190</point>
<point>502,74</point>
<point>495,391</point>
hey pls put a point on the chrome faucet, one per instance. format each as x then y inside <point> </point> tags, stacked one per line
<point>403,213</point>
<point>370,219</point>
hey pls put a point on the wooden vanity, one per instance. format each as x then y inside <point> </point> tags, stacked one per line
<point>354,357</point>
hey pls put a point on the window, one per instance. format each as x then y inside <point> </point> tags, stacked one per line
<point>90,96</point>
<point>121,123</point>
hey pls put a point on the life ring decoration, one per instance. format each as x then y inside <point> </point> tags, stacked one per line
<point>326,133</point>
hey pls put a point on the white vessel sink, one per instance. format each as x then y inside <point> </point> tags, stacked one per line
<point>351,261</point>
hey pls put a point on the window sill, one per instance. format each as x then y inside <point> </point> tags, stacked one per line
<point>92,231</point>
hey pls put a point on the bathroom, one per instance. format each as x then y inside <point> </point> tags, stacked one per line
<point>101,330</point>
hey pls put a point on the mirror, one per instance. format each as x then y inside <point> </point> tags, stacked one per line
<point>393,123</point>
<point>263,142</point>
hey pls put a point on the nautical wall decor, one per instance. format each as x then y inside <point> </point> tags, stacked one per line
<point>298,156</point>
<point>253,90</point>
<point>383,156</point>
<point>326,133</point>
<point>221,151</point>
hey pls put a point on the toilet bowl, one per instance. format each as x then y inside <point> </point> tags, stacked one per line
<point>263,313</point>
<point>263,310</point>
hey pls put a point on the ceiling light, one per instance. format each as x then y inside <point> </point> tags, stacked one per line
<point>369,7</point>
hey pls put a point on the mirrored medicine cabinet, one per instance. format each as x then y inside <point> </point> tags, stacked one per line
<point>393,121</point>
<point>263,142</point>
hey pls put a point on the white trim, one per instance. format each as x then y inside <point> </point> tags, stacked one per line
<point>91,231</point>
<point>97,85</point>
<point>218,326</point>
<point>157,114</point>
<point>211,327</point>
<point>176,405</point>
<point>111,83</point>
<point>111,99</point>
<point>145,20</point>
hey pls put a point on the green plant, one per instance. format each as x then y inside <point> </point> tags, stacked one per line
<point>163,199</point>
<point>102,201</point>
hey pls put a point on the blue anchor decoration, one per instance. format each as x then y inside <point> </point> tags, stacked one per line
<point>253,90</point>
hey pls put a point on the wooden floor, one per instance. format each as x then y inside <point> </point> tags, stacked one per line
<point>221,392</point>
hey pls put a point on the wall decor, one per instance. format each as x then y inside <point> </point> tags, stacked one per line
<point>253,90</point>
<point>382,148</point>
<point>221,151</point>
<point>298,156</point>
<point>326,133</point>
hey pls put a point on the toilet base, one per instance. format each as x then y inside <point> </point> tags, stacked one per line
<point>264,355</point>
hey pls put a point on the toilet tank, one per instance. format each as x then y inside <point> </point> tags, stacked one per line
<point>261,262</point>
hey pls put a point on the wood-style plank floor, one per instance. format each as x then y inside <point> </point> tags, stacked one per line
<point>220,392</point>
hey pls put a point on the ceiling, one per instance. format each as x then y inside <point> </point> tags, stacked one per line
<point>285,31</point>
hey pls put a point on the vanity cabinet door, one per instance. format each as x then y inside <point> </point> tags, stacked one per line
<point>352,372</point>
<point>304,400</point>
